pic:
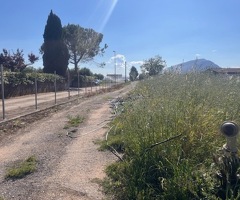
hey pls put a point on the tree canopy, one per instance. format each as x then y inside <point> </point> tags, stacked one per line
<point>55,52</point>
<point>83,43</point>
<point>53,28</point>
<point>99,76</point>
<point>153,66</point>
<point>15,61</point>
<point>133,73</point>
<point>85,72</point>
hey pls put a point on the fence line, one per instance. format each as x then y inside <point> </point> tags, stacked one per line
<point>22,105</point>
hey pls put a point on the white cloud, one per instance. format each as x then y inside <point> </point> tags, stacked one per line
<point>121,59</point>
<point>118,59</point>
<point>197,55</point>
<point>133,63</point>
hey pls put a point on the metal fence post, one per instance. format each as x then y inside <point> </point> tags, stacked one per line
<point>85,84</point>
<point>78,83</point>
<point>55,87</point>
<point>35,80</point>
<point>68,84</point>
<point>3,100</point>
<point>91,85</point>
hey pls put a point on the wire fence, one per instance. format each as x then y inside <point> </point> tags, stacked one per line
<point>22,105</point>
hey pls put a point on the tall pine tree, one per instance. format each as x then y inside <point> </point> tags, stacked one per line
<point>55,52</point>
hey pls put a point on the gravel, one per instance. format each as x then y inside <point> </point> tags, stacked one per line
<point>67,167</point>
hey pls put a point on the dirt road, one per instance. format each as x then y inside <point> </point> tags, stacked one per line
<point>67,166</point>
<point>18,106</point>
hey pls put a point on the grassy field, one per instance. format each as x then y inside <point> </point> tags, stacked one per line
<point>168,134</point>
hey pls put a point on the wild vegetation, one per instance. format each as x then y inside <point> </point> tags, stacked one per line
<point>22,169</point>
<point>168,135</point>
<point>73,121</point>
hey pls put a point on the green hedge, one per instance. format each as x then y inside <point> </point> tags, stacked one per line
<point>18,84</point>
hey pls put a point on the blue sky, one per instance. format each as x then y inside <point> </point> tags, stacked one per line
<point>137,30</point>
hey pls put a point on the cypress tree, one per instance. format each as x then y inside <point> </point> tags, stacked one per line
<point>55,52</point>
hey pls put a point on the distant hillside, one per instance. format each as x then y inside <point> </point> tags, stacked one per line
<point>197,65</point>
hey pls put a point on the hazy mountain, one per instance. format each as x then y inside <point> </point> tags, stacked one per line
<point>197,65</point>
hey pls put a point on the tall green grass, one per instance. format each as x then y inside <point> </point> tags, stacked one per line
<point>189,106</point>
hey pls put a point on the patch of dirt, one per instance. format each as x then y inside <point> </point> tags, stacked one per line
<point>67,164</point>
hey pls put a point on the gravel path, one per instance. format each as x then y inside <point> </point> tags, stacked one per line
<point>68,167</point>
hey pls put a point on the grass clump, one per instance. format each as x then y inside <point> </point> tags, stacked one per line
<point>189,106</point>
<point>74,121</point>
<point>22,169</point>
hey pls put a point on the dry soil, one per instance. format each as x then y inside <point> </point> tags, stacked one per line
<point>68,160</point>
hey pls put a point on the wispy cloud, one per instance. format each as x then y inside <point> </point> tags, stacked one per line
<point>197,55</point>
<point>133,63</point>
<point>120,60</point>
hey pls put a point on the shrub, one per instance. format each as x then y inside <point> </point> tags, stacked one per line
<point>20,83</point>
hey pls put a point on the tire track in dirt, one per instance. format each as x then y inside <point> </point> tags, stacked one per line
<point>82,162</point>
<point>67,167</point>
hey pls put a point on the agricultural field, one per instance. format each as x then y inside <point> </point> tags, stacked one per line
<point>167,137</point>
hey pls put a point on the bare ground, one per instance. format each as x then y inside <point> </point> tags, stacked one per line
<point>69,163</point>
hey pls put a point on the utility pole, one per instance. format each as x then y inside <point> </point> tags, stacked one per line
<point>125,71</point>
<point>115,67</point>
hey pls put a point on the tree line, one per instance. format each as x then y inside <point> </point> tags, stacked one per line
<point>150,67</point>
<point>71,44</point>
<point>62,45</point>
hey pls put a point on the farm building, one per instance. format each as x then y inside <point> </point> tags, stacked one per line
<point>226,71</point>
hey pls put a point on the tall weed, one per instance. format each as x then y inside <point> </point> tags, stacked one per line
<point>192,106</point>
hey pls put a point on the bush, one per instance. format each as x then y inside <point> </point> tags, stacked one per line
<point>20,83</point>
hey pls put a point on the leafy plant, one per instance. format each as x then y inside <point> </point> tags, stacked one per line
<point>15,61</point>
<point>18,78</point>
<point>74,121</point>
<point>22,169</point>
